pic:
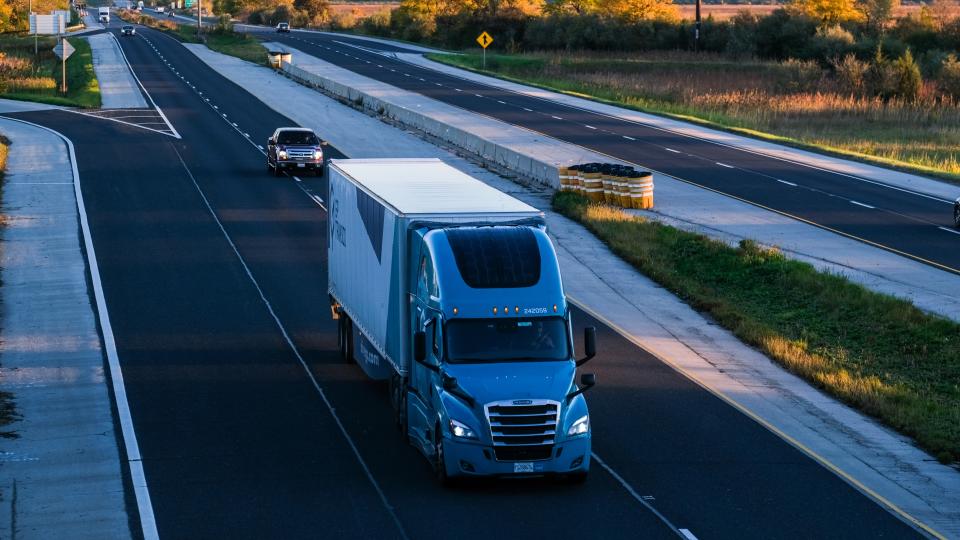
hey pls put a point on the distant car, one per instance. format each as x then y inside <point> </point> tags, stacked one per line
<point>283,27</point>
<point>294,149</point>
<point>956,213</point>
<point>127,30</point>
<point>160,9</point>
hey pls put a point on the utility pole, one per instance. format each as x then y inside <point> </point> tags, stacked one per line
<point>199,19</point>
<point>696,30</point>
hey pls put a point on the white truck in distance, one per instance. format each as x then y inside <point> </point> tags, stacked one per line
<point>103,14</point>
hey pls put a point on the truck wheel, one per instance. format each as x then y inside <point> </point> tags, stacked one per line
<point>399,402</point>
<point>439,466</point>
<point>348,337</point>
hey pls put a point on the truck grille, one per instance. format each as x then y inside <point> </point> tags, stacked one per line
<point>299,153</point>
<point>523,429</point>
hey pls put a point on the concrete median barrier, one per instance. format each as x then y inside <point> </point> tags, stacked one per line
<point>540,170</point>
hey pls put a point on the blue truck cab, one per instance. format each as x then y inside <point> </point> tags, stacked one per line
<point>451,291</point>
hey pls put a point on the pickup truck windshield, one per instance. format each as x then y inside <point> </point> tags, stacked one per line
<point>471,341</point>
<point>297,137</point>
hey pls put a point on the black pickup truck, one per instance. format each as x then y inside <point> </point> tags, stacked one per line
<point>294,150</point>
<point>956,213</point>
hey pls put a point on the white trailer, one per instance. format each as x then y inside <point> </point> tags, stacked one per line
<point>103,14</point>
<point>374,203</point>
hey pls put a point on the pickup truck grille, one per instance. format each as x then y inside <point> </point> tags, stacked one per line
<point>523,430</point>
<point>299,153</point>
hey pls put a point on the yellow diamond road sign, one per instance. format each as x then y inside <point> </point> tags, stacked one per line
<point>484,40</point>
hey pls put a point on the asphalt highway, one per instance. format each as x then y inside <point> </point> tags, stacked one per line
<point>249,424</point>
<point>912,224</point>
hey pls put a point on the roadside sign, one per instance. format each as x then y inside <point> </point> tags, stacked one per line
<point>484,40</point>
<point>63,49</point>
<point>188,4</point>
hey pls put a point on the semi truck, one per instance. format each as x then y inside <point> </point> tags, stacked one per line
<point>450,291</point>
<point>103,14</point>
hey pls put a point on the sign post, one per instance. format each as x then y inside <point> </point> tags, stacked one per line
<point>484,40</point>
<point>63,49</point>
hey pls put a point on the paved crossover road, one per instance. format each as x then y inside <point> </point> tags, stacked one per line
<point>916,225</point>
<point>251,427</point>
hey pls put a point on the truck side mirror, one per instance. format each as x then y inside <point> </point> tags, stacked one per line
<point>589,345</point>
<point>587,381</point>
<point>420,347</point>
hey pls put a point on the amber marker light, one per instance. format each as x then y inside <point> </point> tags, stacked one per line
<point>456,311</point>
<point>516,309</point>
<point>494,310</point>
<point>554,308</point>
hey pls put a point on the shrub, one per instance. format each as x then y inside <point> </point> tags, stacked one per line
<point>907,78</point>
<point>343,20</point>
<point>801,75</point>
<point>949,77</point>
<point>831,42</point>
<point>851,73</point>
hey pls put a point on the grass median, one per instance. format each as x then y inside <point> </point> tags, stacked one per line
<point>792,103</point>
<point>876,353</point>
<point>36,77</point>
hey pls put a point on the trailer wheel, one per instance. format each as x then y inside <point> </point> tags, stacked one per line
<point>345,337</point>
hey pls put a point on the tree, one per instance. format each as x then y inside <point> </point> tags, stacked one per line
<point>878,14</point>
<point>638,10</point>
<point>907,79</point>
<point>828,12</point>
<point>577,7</point>
<point>315,11</point>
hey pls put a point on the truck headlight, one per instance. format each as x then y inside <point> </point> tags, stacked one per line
<point>318,154</point>
<point>461,430</point>
<point>282,154</point>
<point>580,427</point>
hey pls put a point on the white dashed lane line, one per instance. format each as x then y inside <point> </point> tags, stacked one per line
<point>787,183</point>
<point>672,150</point>
<point>555,117</point>
<point>588,126</point>
<point>952,231</point>
<point>627,137</point>
<point>725,165</point>
<point>528,110</point>
<point>863,205</point>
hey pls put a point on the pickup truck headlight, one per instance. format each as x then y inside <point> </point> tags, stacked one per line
<point>318,154</point>
<point>461,430</point>
<point>580,427</point>
<point>282,154</point>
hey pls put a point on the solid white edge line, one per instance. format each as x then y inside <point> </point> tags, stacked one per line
<point>954,231</point>
<point>144,88</point>
<point>148,522</point>
<point>296,351</point>
<point>687,534</point>
<point>633,493</point>
<point>863,205</point>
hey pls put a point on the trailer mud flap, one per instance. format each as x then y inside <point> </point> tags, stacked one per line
<point>373,364</point>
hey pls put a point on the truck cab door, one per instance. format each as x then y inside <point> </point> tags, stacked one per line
<point>420,411</point>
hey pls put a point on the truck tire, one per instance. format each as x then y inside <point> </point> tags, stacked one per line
<point>439,467</point>
<point>398,400</point>
<point>345,338</point>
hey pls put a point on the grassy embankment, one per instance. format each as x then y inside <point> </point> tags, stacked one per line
<point>7,411</point>
<point>27,77</point>
<point>242,46</point>
<point>878,354</point>
<point>784,103</point>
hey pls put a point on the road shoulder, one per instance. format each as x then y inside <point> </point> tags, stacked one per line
<point>62,477</point>
<point>866,454</point>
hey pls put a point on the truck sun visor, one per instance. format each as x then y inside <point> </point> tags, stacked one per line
<point>496,257</point>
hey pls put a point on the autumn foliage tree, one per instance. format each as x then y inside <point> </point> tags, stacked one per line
<point>828,12</point>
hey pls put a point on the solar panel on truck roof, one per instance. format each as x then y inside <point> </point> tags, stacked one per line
<point>429,186</point>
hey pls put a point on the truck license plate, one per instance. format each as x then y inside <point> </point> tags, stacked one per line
<point>301,165</point>
<point>523,467</point>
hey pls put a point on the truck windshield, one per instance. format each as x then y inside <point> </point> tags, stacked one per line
<point>297,137</point>
<point>500,340</point>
